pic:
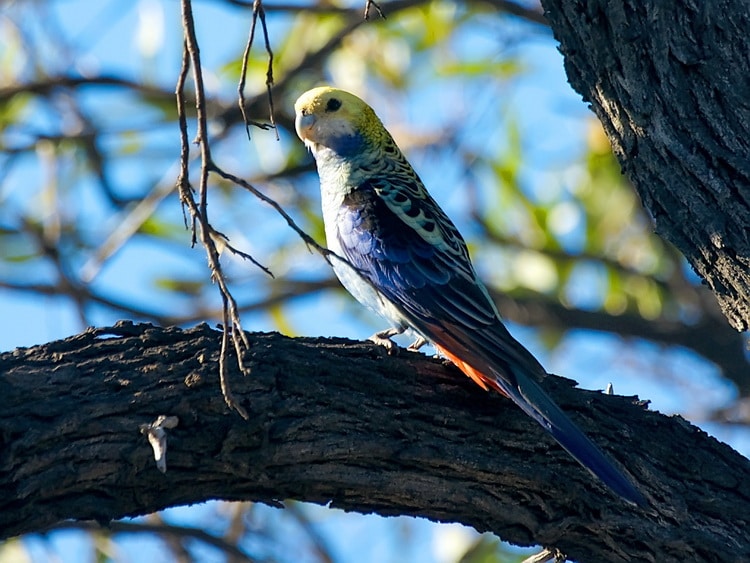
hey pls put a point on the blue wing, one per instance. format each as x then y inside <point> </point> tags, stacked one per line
<point>399,239</point>
<point>418,260</point>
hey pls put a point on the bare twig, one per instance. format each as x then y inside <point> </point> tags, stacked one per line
<point>369,3</point>
<point>222,243</point>
<point>183,181</point>
<point>199,211</point>
<point>258,9</point>
<point>258,13</point>
<point>280,210</point>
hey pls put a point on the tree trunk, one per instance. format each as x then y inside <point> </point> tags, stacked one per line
<point>339,422</point>
<point>670,83</point>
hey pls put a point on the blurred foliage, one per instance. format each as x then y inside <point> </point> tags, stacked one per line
<point>90,224</point>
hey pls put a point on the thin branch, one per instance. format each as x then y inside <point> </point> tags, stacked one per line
<point>309,241</point>
<point>183,181</point>
<point>257,12</point>
<point>222,243</point>
<point>368,4</point>
<point>199,212</point>
<point>310,61</point>
<point>258,9</point>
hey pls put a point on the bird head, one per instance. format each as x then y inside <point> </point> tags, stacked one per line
<point>337,120</point>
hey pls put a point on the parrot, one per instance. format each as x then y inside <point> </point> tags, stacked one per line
<point>401,257</point>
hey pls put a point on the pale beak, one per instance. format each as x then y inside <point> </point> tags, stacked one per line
<point>303,123</point>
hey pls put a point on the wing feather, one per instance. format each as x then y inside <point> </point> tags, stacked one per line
<point>425,272</point>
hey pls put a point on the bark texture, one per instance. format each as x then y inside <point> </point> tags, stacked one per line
<point>670,83</point>
<point>336,421</point>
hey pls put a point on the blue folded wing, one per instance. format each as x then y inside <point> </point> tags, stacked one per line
<point>398,238</point>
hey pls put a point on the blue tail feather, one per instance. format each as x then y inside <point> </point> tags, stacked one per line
<point>539,406</point>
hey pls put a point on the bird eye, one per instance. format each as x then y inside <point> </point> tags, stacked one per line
<point>333,104</point>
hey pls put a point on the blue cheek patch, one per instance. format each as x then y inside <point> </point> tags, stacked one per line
<point>347,145</point>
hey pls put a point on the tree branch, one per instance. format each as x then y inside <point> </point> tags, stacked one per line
<point>669,86</point>
<point>403,435</point>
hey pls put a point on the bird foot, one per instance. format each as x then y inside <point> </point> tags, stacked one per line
<point>383,338</point>
<point>417,344</point>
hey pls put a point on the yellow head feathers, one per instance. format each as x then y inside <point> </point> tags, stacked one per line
<point>338,120</point>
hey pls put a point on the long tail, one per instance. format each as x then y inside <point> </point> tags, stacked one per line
<point>538,405</point>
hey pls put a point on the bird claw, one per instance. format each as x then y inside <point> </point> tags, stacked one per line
<point>417,344</point>
<point>390,346</point>
<point>383,338</point>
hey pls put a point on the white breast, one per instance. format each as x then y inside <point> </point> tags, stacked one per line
<point>336,180</point>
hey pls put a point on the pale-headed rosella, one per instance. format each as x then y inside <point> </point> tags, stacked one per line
<point>405,260</point>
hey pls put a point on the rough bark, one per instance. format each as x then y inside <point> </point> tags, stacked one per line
<point>670,82</point>
<point>339,422</point>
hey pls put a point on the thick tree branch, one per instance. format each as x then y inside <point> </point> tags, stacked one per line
<point>669,84</point>
<point>336,421</point>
